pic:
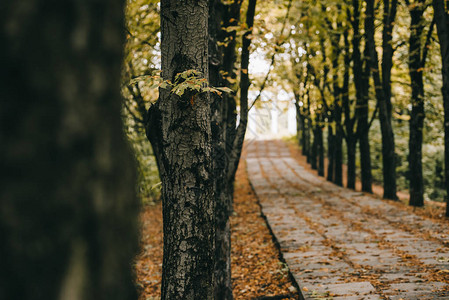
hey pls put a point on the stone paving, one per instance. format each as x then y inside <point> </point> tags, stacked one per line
<point>343,244</point>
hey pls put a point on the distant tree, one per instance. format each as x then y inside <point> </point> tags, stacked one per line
<point>382,86</point>
<point>418,49</point>
<point>361,72</point>
<point>179,130</point>
<point>68,210</point>
<point>441,9</point>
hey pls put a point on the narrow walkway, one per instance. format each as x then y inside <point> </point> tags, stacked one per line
<point>342,244</point>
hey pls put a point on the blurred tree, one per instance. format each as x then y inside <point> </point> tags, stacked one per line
<point>68,215</point>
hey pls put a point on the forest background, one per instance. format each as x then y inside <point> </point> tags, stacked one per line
<point>305,49</point>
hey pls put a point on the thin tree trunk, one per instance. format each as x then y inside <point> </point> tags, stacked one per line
<point>351,139</point>
<point>237,143</point>
<point>338,145</point>
<point>299,120</point>
<point>363,125</point>
<point>365,162</point>
<point>442,24</point>
<point>351,144</point>
<point>320,151</point>
<point>314,150</point>
<point>223,289</point>
<point>68,209</point>
<point>330,152</point>
<point>179,130</point>
<point>308,130</point>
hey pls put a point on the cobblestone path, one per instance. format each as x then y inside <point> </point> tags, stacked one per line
<point>343,244</point>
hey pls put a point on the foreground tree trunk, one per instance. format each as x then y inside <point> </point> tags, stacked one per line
<point>442,24</point>
<point>180,132</point>
<point>68,211</point>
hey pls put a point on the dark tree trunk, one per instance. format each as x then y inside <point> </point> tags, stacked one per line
<point>180,132</point>
<point>299,120</point>
<point>314,150</point>
<point>365,162</point>
<point>361,71</point>
<point>306,138</point>
<point>218,14</point>
<point>244,87</point>
<point>228,140</point>
<point>351,144</point>
<point>361,81</point>
<point>320,151</point>
<point>442,24</point>
<point>417,116</point>
<point>308,129</point>
<point>68,210</point>
<point>383,91</point>
<point>338,147</point>
<point>351,139</point>
<point>330,152</point>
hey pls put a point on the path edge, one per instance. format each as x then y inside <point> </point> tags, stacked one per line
<point>275,240</point>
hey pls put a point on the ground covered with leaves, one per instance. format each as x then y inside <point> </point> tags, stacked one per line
<point>257,271</point>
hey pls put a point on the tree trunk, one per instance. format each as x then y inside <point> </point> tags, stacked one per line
<point>351,140</point>
<point>320,151</point>
<point>417,114</point>
<point>330,152</point>
<point>383,94</point>
<point>308,129</point>
<point>361,81</point>
<point>314,150</point>
<point>218,15</point>
<point>299,120</point>
<point>180,132</point>
<point>365,162</point>
<point>338,151</point>
<point>442,24</point>
<point>68,210</point>
<point>351,144</point>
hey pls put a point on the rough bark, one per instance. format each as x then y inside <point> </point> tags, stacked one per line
<point>218,14</point>
<point>68,211</point>
<point>179,130</point>
<point>442,24</point>
<point>383,90</point>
